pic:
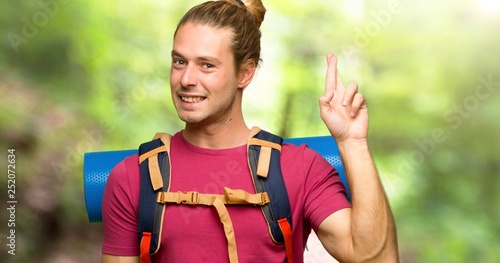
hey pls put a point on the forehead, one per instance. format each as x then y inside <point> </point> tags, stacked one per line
<point>203,40</point>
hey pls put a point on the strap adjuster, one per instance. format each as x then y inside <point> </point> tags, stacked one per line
<point>185,198</point>
<point>190,198</point>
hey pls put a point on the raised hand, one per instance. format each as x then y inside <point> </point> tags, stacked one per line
<point>343,110</point>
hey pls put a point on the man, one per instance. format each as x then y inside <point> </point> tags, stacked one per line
<point>215,54</point>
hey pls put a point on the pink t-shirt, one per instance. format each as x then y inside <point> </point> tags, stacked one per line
<point>195,233</point>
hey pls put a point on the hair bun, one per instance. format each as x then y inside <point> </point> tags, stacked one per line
<point>255,7</point>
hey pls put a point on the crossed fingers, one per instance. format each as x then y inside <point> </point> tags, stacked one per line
<point>336,92</point>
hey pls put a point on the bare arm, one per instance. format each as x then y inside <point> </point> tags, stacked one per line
<point>118,259</point>
<point>367,232</point>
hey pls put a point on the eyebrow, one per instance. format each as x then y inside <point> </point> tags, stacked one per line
<point>203,58</point>
<point>175,53</point>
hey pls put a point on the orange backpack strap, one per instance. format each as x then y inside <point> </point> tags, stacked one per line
<point>264,153</point>
<point>154,161</point>
<point>230,196</point>
<point>264,162</point>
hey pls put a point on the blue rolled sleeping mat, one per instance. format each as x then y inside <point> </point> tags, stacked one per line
<point>98,165</point>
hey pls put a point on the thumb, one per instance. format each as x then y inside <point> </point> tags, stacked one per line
<point>325,108</point>
<point>325,99</point>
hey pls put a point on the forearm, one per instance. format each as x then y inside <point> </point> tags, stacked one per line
<point>118,259</point>
<point>373,230</point>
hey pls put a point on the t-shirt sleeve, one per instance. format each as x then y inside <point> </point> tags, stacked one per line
<point>325,192</point>
<point>119,210</point>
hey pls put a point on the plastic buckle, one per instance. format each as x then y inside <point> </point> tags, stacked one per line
<point>190,198</point>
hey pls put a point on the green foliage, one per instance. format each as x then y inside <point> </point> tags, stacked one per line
<point>79,76</point>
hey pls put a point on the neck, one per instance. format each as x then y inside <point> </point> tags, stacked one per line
<point>229,132</point>
<point>227,135</point>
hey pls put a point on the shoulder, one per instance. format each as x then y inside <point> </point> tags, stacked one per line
<point>121,194</point>
<point>307,166</point>
<point>120,208</point>
<point>292,153</point>
<point>125,174</point>
<point>178,141</point>
<point>126,166</point>
<point>304,164</point>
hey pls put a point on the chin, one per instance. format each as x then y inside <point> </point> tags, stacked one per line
<point>190,119</point>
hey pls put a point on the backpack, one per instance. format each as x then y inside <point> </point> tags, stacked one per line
<point>263,150</point>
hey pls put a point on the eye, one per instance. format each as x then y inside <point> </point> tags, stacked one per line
<point>178,62</point>
<point>208,66</point>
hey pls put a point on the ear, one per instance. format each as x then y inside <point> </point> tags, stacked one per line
<point>247,71</point>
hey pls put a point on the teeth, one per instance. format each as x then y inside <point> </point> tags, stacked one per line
<point>192,99</point>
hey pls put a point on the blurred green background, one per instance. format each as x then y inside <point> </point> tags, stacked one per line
<point>87,75</point>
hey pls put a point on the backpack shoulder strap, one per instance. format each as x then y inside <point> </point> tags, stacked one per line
<point>264,153</point>
<point>154,161</point>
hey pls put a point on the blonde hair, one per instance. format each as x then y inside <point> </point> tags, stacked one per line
<point>244,20</point>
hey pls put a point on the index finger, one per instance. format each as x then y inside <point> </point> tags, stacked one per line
<point>333,81</point>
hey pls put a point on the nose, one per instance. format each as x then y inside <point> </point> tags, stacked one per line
<point>189,77</point>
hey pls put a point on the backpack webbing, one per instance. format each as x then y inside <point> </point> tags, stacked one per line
<point>279,207</point>
<point>154,160</point>
<point>264,163</point>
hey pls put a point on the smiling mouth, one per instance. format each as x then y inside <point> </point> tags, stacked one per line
<point>192,99</point>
